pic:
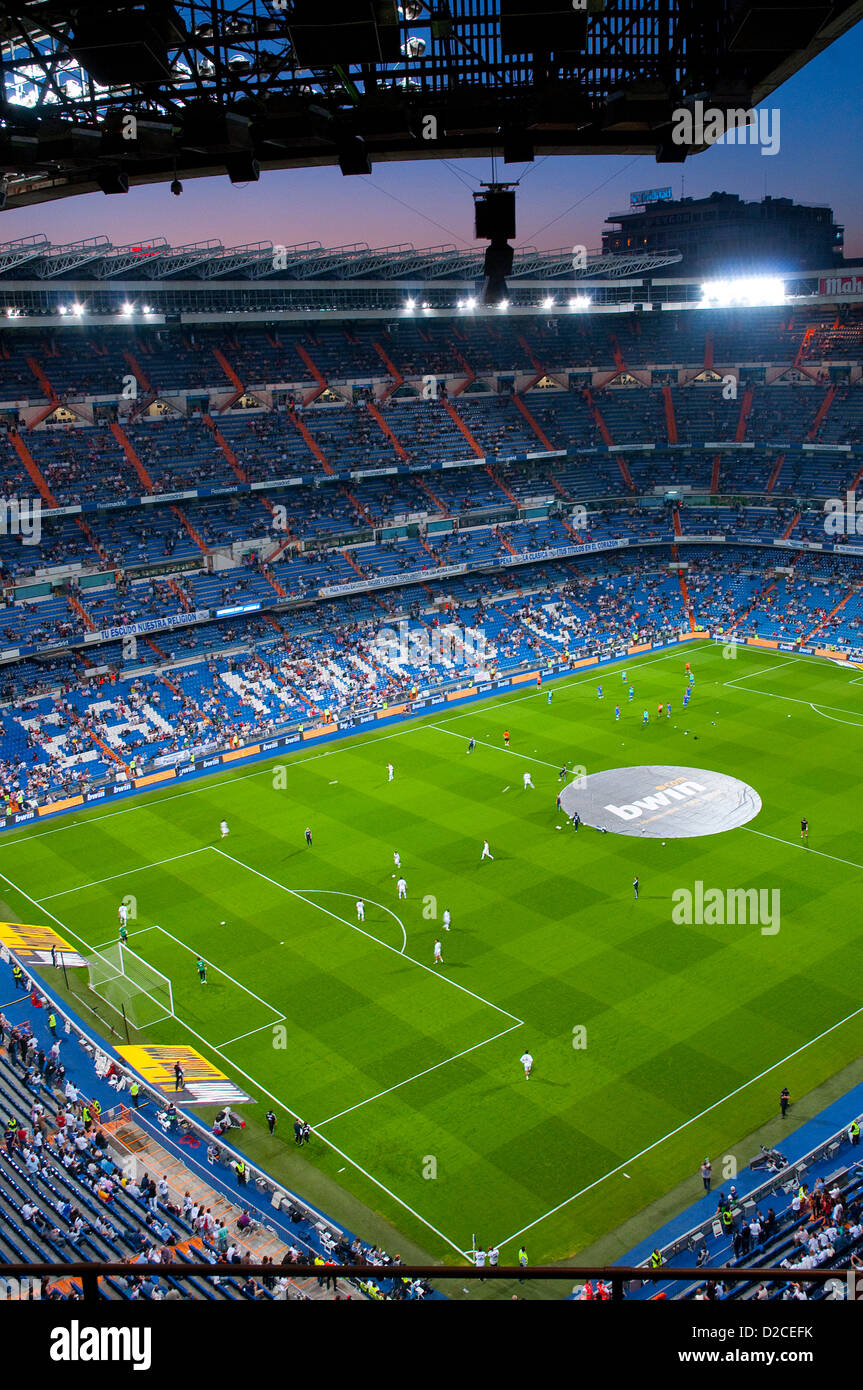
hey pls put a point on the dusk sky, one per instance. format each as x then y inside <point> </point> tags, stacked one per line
<point>562,201</point>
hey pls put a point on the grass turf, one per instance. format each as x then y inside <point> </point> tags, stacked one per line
<point>409,1073</point>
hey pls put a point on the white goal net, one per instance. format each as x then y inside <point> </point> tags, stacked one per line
<point>130,986</point>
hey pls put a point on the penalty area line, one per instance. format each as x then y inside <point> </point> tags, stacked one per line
<point>274,1023</point>
<point>680,1128</point>
<point>126,873</point>
<point>407,1081</point>
<point>213,1047</point>
<point>376,939</point>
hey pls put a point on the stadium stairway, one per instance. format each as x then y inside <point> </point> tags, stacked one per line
<point>81,612</point>
<point>310,441</point>
<point>397,378</point>
<point>239,388</point>
<point>50,394</point>
<point>153,1157</point>
<point>606,437</point>
<point>190,530</point>
<point>821,415</point>
<point>460,424</point>
<point>432,496</point>
<point>470,374</point>
<point>143,381</point>
<point>316,373</point>
<point>510,496</point>
<point>541,436</point>
<point>745,408</point>
<point>230,456</point>
<point>828,617</point>
<point>774,476</point>
<point>132,456</point>
<point>129,1138</point>
<point>376,415</point>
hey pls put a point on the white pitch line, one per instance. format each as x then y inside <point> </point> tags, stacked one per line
<point>605,672</point>
<point>792,844</point>
<point>495,747</point>
<point>272,1024</point>
<point>849,723</point>
<point>353,926</point>
<point>342,746</point>
<point>417,1075</point>
<point>795,700</point>
<point>113,942</point>
<point>219,970</point>
<point>127,873</point>
<point>341,893</point>
<point>258,1087</point>
<point>762,670</point>
<point>671,1133</point>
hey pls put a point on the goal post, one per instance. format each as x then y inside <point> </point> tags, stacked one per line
<point>130,985</point>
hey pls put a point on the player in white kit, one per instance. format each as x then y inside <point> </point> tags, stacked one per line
<point>397,859</point>
<point>527,1062</point>
<point>123,914</point>
<point>361,910</point>
<point>528,782</point>
<point>486,852</point>
<point>224,829</point>
<point>438,958</point>
<point>446,919</point>
<point>390,772</point>
<point>402,888</point>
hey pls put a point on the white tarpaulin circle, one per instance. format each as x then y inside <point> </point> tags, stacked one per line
<point>666,803</point>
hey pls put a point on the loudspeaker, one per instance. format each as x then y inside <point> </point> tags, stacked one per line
<point>552,26</point>
<point>494,215</point>
<point>345,31</point>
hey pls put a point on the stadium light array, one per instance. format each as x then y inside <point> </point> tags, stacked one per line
<point>753,291</point>
<point>579,301</point>
<point>548,302</point>
<point>77,309</point>
<point>410,305</point>
<point>503,306</point>
<point>127,308</point>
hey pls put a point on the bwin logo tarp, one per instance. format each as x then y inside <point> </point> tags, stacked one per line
<point>77,1343</point>
<point>633,809</point>
<point>661,801</point>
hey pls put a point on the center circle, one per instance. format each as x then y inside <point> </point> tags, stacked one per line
<point>660,802</point>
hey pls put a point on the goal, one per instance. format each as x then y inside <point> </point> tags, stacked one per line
<point>130,986</point>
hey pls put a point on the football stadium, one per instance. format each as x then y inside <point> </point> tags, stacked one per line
<point>431,680</point>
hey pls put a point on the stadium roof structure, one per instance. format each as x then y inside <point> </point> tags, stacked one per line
<point>111,94</point>
<point>153,258</point>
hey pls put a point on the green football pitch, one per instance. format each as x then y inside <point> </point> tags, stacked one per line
<point>654,1043</point>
